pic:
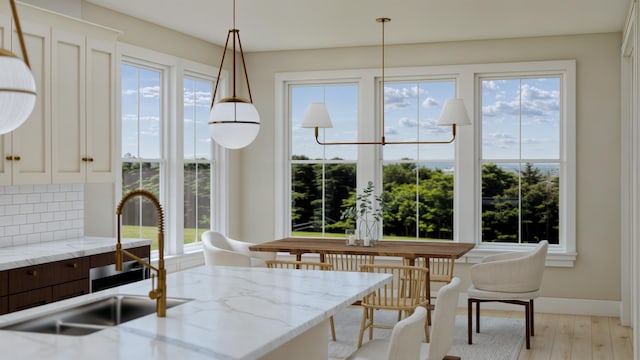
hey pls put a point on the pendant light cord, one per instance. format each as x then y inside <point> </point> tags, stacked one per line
<point>16,19</point>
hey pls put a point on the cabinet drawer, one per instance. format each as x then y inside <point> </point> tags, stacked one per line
<point>70,289</point>
<point>68,270</point>
<point>110,257</point>
<point>29,278</point>
<point>4,305</point>
<point>4,283</point>
<point>29,299</point>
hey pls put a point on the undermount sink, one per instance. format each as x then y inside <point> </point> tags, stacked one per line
<point>94,316</point>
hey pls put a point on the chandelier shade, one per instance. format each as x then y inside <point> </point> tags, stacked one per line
<point>317,115</point>
<point>454,113</point>
<point>234,122</point>
<point>17,85</point>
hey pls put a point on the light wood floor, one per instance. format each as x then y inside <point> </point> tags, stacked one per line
<point>573,337</point>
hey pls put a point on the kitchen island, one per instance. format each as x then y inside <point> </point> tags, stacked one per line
<point>236,313</point>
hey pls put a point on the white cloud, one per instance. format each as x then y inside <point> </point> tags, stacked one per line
<point>531,102</point>
<point>408,122</point>
<point>147,91</point>
<point>395,98</point>
<point>199,98</point>
<point>430,102</point>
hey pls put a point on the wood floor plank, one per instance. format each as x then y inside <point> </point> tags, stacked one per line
<point>581,342</point>
<point>545,332</point>
<point>621,342</point>
<point>601,339</point>
<point>561,349</point>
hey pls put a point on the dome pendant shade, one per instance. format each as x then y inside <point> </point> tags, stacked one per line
<point>17,92</point>
<point>234,123</point>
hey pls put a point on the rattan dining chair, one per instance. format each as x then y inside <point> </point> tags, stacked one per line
<point>304,265</point>
<point>348,262</point>
<point>440,274</point>
<point>405,292</point>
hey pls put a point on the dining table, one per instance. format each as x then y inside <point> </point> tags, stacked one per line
<point>410,250</point>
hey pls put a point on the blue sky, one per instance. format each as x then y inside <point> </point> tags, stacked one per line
<point>521,112</point>
<point>411,112</point>
<point>141,109</point>
<point>520,119</point>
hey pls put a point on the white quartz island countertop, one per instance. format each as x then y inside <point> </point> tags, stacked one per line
<point>34,254</point>
<point>237,313</point>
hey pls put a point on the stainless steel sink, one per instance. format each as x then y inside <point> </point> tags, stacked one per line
<point>95,316</point>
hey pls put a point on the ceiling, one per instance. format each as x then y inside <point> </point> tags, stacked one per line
<point>267,25</point>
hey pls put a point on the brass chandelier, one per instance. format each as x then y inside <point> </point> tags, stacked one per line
<point>453,114</point>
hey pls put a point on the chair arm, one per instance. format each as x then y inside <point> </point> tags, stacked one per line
<point>503,256</point>
<point>515,275</point>
<point>217,256</point>
<point>243,247</point>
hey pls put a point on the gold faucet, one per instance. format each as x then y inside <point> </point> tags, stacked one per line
<point>159,293</point>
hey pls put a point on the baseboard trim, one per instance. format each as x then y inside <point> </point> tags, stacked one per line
<point>557,306</point>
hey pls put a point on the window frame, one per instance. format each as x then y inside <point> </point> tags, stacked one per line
<point>467,182</point>
<point>172,146</point>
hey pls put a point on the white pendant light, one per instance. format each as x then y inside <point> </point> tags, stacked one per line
<point>17,86</point>
<point>234,122</point>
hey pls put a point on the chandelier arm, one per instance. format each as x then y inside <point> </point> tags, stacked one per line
<point>16,19</point>
<point>224,52</point>
<point>244,66</point>
<point>384,142</point>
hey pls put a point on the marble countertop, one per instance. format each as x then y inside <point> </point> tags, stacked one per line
<point>237,313</point>
<point>33,254</point>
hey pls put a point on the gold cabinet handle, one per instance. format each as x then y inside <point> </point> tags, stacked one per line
<point>87,159</point>
<point>90,159</point>
<point>16,158</point>
<point>33,273</point>
<point>9,157</point>
<point>73,265</point>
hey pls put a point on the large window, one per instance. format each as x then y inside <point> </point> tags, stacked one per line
<point>507,181</point>
<point>322,178</point>
<point>141,134</point>
<point>520,159</point>
<point>417,179</point>
<point>197,158</point>
<point>166,149</point>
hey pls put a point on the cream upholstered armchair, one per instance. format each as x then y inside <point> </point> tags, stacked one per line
<point>221,250</point>
<point>514,278</point>
<point>406,337</point>
<point>404,343</point>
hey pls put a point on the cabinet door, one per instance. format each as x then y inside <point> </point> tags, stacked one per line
<point>100,111</point>
<point>31,142</point>
<point>5,140</point>
<point>67,107</point>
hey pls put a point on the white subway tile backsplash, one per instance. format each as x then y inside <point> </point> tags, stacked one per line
<point>30,214</point>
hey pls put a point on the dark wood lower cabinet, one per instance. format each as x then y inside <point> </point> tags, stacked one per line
<point>70,289</point>
<point>4,305</point>
<point>35,285</point>
<point>29,299</point>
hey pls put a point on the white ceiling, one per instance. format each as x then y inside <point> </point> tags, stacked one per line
<point>306,24</point>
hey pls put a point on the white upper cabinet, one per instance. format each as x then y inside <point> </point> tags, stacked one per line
<point>69,137</point>
<point>26,151</point>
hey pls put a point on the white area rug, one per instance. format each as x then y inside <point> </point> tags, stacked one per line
<point>499,339</point>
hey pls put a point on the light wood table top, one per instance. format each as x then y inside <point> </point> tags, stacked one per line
<point>405,249</point>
